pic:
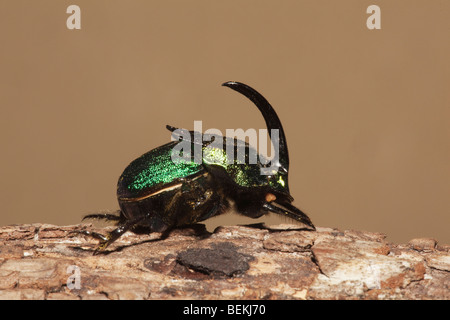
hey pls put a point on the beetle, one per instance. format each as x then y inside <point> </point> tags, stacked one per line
<point>160,194</point>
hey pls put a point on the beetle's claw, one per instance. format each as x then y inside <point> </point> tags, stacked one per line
<point>105,241</point>
<point>102,246</point>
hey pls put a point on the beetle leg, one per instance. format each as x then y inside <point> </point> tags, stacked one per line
<point>103,216</point>
<point>188,194</point>
<point>106,240</point>
<point>92,234</point>
<point>290,211</point>
<point>117,233</point>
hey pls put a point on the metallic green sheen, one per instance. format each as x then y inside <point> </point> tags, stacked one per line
<point>152,169</point>
<point>156,168</point>
<point>244,175</point>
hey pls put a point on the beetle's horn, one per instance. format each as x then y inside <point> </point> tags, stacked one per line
<point>270,116</point>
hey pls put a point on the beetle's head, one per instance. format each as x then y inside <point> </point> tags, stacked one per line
<point>276,196</point>
<point>278,169</point>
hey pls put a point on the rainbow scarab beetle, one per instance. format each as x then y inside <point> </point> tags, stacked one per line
<point>158,193</point>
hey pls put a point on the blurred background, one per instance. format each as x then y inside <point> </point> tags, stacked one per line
<point>366,112</point>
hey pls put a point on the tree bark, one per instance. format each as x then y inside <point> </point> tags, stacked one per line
<point>41,261</point>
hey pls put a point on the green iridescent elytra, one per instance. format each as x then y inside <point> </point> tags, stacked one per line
<point>159,193</point>
<point>153,169</point>
<point>157,168</point>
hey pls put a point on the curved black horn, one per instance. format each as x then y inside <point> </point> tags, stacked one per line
<point>269,114</point>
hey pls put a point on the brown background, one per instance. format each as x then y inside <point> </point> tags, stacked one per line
<point>366,113</point>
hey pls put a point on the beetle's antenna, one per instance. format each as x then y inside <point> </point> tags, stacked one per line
<point>269,114</point>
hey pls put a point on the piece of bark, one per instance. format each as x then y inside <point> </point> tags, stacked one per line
<point>41,261</point>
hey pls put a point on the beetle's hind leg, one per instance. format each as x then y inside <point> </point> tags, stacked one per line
<point>95,235</point>
<point>92,234</point>
<point>105,216</point>
<point>105,240</point>
<point>112,236</point>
